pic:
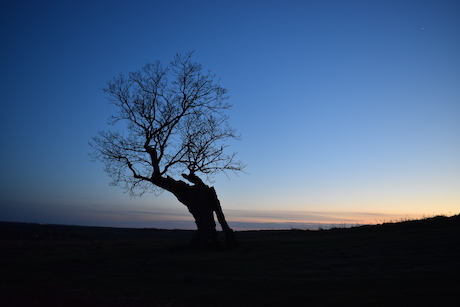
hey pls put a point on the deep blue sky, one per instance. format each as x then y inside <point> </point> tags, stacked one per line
<point>349,110</point>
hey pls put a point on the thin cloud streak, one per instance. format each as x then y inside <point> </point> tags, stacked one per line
<point>309,217</point>
<point>179,218</point>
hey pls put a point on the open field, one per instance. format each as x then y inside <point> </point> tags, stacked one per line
<point>413,263</point>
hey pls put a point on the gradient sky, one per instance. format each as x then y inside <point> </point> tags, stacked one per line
<point>349,110</point>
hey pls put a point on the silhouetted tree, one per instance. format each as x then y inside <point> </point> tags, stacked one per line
<point>175,125</point>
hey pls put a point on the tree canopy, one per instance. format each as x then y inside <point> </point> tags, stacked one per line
<point>174,122</point>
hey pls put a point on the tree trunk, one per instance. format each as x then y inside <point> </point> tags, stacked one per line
<point>201,201</point>
<point>206,233</point>
<point>205,203</point>
<point>230,239</point>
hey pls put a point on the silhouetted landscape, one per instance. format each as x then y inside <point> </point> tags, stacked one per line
<point>410,263</point>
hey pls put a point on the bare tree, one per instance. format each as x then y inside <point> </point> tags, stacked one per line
<point>175,126</point>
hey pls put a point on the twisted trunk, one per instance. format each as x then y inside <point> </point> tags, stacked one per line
<point>201,201</point>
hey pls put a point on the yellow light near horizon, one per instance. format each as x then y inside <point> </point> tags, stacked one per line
<point>284,217</point>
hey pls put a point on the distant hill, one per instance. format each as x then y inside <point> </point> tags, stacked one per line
<point>33,231</point>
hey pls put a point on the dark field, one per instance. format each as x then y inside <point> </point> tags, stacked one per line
<point>414,263</point>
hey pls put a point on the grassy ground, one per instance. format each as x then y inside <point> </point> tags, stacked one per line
<point>413,263</point>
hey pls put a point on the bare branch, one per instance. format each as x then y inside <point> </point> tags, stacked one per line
<point>174,122</point>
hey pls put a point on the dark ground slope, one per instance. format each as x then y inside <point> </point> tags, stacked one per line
<point>414,263</point>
